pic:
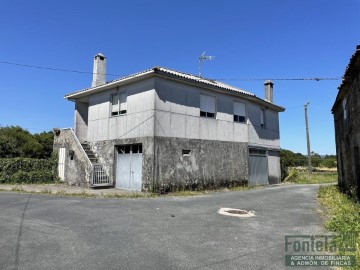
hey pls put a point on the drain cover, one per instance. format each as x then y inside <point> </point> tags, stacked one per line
<point>235,212</point>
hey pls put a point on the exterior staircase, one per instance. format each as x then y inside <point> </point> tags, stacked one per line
<point>93,159</point>
<point>100,172</point>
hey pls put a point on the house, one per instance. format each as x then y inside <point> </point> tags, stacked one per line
<point>346,111</point>
<point>163,130</point>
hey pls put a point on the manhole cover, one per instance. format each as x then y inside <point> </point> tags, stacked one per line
<point>235,212</point>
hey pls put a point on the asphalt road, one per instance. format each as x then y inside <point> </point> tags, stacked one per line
<point>49,232</point>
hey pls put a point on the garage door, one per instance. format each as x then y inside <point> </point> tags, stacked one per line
<point>129,167</point>
<point>258,167</point>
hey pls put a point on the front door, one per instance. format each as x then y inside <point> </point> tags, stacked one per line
<point>129,167</point>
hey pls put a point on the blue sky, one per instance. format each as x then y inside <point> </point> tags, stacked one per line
<point>250,39</point>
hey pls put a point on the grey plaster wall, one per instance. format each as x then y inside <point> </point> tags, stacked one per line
<point>81,120</point>
<point>210,164</point>
<point>178,114</point>
<point>267,135</point>
<point>274,167</point>
<point>77,170</point>
<point>137,122</point>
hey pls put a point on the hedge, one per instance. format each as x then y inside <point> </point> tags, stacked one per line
<point>28,170</point>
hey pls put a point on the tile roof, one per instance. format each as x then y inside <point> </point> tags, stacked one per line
<point>351,71</point>
<point>161,71</point>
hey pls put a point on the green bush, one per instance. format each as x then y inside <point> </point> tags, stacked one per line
<point>28,170</point>
<point>31,177</point>
<point>18,142</point>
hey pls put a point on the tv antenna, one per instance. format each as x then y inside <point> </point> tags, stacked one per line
<point>203,58</point>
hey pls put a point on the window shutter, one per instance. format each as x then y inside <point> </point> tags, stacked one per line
<point>207,103</point>
<point>123,103</point>
<point>115,103</point>
<point>239,108</point>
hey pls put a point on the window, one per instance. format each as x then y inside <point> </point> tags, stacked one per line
<point>262,117</point>
<point>127,149</point>
<point>239,112</point>
<point>344,107</point>
<point>207,106</point>
<point>257,151</point>
<point>118,104</point>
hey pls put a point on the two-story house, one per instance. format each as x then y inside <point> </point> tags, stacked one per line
<point>162,130</point>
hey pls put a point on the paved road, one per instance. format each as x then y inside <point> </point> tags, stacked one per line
<point>48,232</point>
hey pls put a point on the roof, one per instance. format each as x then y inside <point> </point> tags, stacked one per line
<point>175,75</point>
<point>350,73</point>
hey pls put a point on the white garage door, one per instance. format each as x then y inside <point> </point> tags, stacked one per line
<point>129,167</point>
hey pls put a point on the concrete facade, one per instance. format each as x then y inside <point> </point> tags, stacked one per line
<point>346,111</point>
<point>181,149</point>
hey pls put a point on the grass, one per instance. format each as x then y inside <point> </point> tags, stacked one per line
<point>46,190</point>
<point>303,177</point>
<point>342,215</point>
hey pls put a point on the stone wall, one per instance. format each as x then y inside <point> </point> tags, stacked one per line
<point>210,164</point>
<point>347,135</point>
<point>77,166</point>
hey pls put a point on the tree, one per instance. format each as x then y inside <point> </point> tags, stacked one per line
<point>18,142</point>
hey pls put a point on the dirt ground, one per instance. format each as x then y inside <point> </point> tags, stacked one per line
<point>63,189</point>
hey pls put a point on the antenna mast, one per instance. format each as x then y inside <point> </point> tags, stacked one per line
<point>203,58</point>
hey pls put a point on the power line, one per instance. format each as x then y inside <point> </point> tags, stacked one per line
<point>283,79</point>
<point>55,69</point>
<point>219,79</point>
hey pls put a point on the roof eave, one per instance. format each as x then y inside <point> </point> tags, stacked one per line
<point>115,83</point>
<point>156,71</point>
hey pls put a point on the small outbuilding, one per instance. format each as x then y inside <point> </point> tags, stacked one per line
<point>346,111</point>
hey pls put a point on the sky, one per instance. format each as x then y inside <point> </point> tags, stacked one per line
<point>252,41</point>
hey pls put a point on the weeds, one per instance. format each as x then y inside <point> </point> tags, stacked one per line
<point>303,177</point>
<point>342,215</point>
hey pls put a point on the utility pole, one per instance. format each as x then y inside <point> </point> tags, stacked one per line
<point>308,137</point>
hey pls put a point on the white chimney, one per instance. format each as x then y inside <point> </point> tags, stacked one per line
<point>99,70</point>
<point>269,91</point>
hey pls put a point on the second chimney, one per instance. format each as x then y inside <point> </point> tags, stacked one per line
<point>269,91</point>
<point>99,70</point>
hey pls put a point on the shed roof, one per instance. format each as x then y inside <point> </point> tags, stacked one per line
<point>350,73</point>
<point>175,75</point>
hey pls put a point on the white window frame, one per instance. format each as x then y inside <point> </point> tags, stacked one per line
<point>205,110</point>
<point>121,106</point>
<point>239,117</point>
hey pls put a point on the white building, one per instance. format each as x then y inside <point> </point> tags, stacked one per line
<point>161,129</point>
